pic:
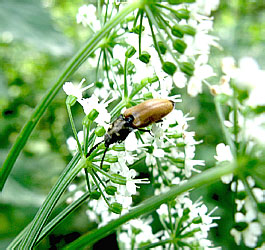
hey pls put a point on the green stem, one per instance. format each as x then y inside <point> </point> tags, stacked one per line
<point>68,210</point>
<point>74,129</point>
<point>136,18</point>
<point>87,180</point>
<point>105,64</point>
<point>14,244</point>
<point>97,68</point>
<point>86,130</point>
<point>70,68</point>
<point>125,79</point>
<point>170,218</point>
<point>159,243</point>
<point>106,12</point>
<point>99,179</point>
<point>140,31</point>
<point>98,186</point>
<point>154,39</point>
<point>45,210</point>
<point>235,117</point>
<point>153,20</point>
<point>113,75</point>
<point>225,131</point>
<point>165,7</point>
<point>96,168</point>
<point>205,178</point>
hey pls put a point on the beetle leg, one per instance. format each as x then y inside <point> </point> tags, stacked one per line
<point>102,160</point>
<point>145,130</point>
<point>159,121</point>
<point>93,148</point>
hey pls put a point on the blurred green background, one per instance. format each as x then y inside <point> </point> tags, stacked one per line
<point>36,40</point>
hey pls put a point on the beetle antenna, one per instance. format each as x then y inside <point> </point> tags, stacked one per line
<point>93,148</point>
<point>102,160</point>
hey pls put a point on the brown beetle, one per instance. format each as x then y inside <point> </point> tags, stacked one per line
<point>136,117</point>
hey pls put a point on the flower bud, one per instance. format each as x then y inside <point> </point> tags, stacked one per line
<point>197,220</point>
<point>136,29</point>
<point>186,211</point>
<point>162,47</point>
<point>175,2</point>
<point>179,45</point>
<point>71,100</point>
<point>86,122</point>
<point>115,62</point>
<point>106,167</point>
<point>241,195</point>
<point>182,14</point>
<point>99,85</point>
<point>100,131</point>
<point>181,144</point>
<point>175,136</point>
<point>145,81</point>
<point>177,31</point>
<point>95,195</point>
<point>130,68</point>
<point>179,160</point>
<point>115,207</point>
<point>191,233</point>
<point>118,179</point>
<point>145,57</point>
<point>111,190</point>
<point>240,226</point>
<point>118,147</point>
<point>93,114</point>
<point>130,18</point>
<point>261,207</point>
<point>148,96</point>
<point>186,29</point>
<point>153,79</point>
<point>187,68</point>
<point>169,67</point>
<point>130,52</point>
<point>111,158</point>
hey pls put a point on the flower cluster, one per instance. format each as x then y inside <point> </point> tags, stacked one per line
<point>173,42</point>
<point>160,47</point>
<point>240,89</point>
<point>183,224</point>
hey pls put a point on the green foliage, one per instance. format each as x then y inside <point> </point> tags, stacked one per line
<point>29,22</point>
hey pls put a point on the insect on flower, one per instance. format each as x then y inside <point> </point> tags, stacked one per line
<point>136,117</point>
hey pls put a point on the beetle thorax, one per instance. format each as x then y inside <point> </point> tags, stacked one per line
<point>119,130</point>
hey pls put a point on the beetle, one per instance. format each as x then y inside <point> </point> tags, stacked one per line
<point>136,117</point>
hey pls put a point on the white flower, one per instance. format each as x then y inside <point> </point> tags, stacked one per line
<point>71,142</point>
<point>223,87</point>
<point>228,66</point>
<point>75,90</point>
<point>131,182</point>
<point>223,153</point>
<point>255,129</point>
<point>135,232</point>
<point>250,234</point>
<point>180,79</point>
<point>202,71</point>
<point>248,75</point>
<point>87,16</point>
<point>93,103</point>
<point>131,142</point>
<point>206,7</point>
